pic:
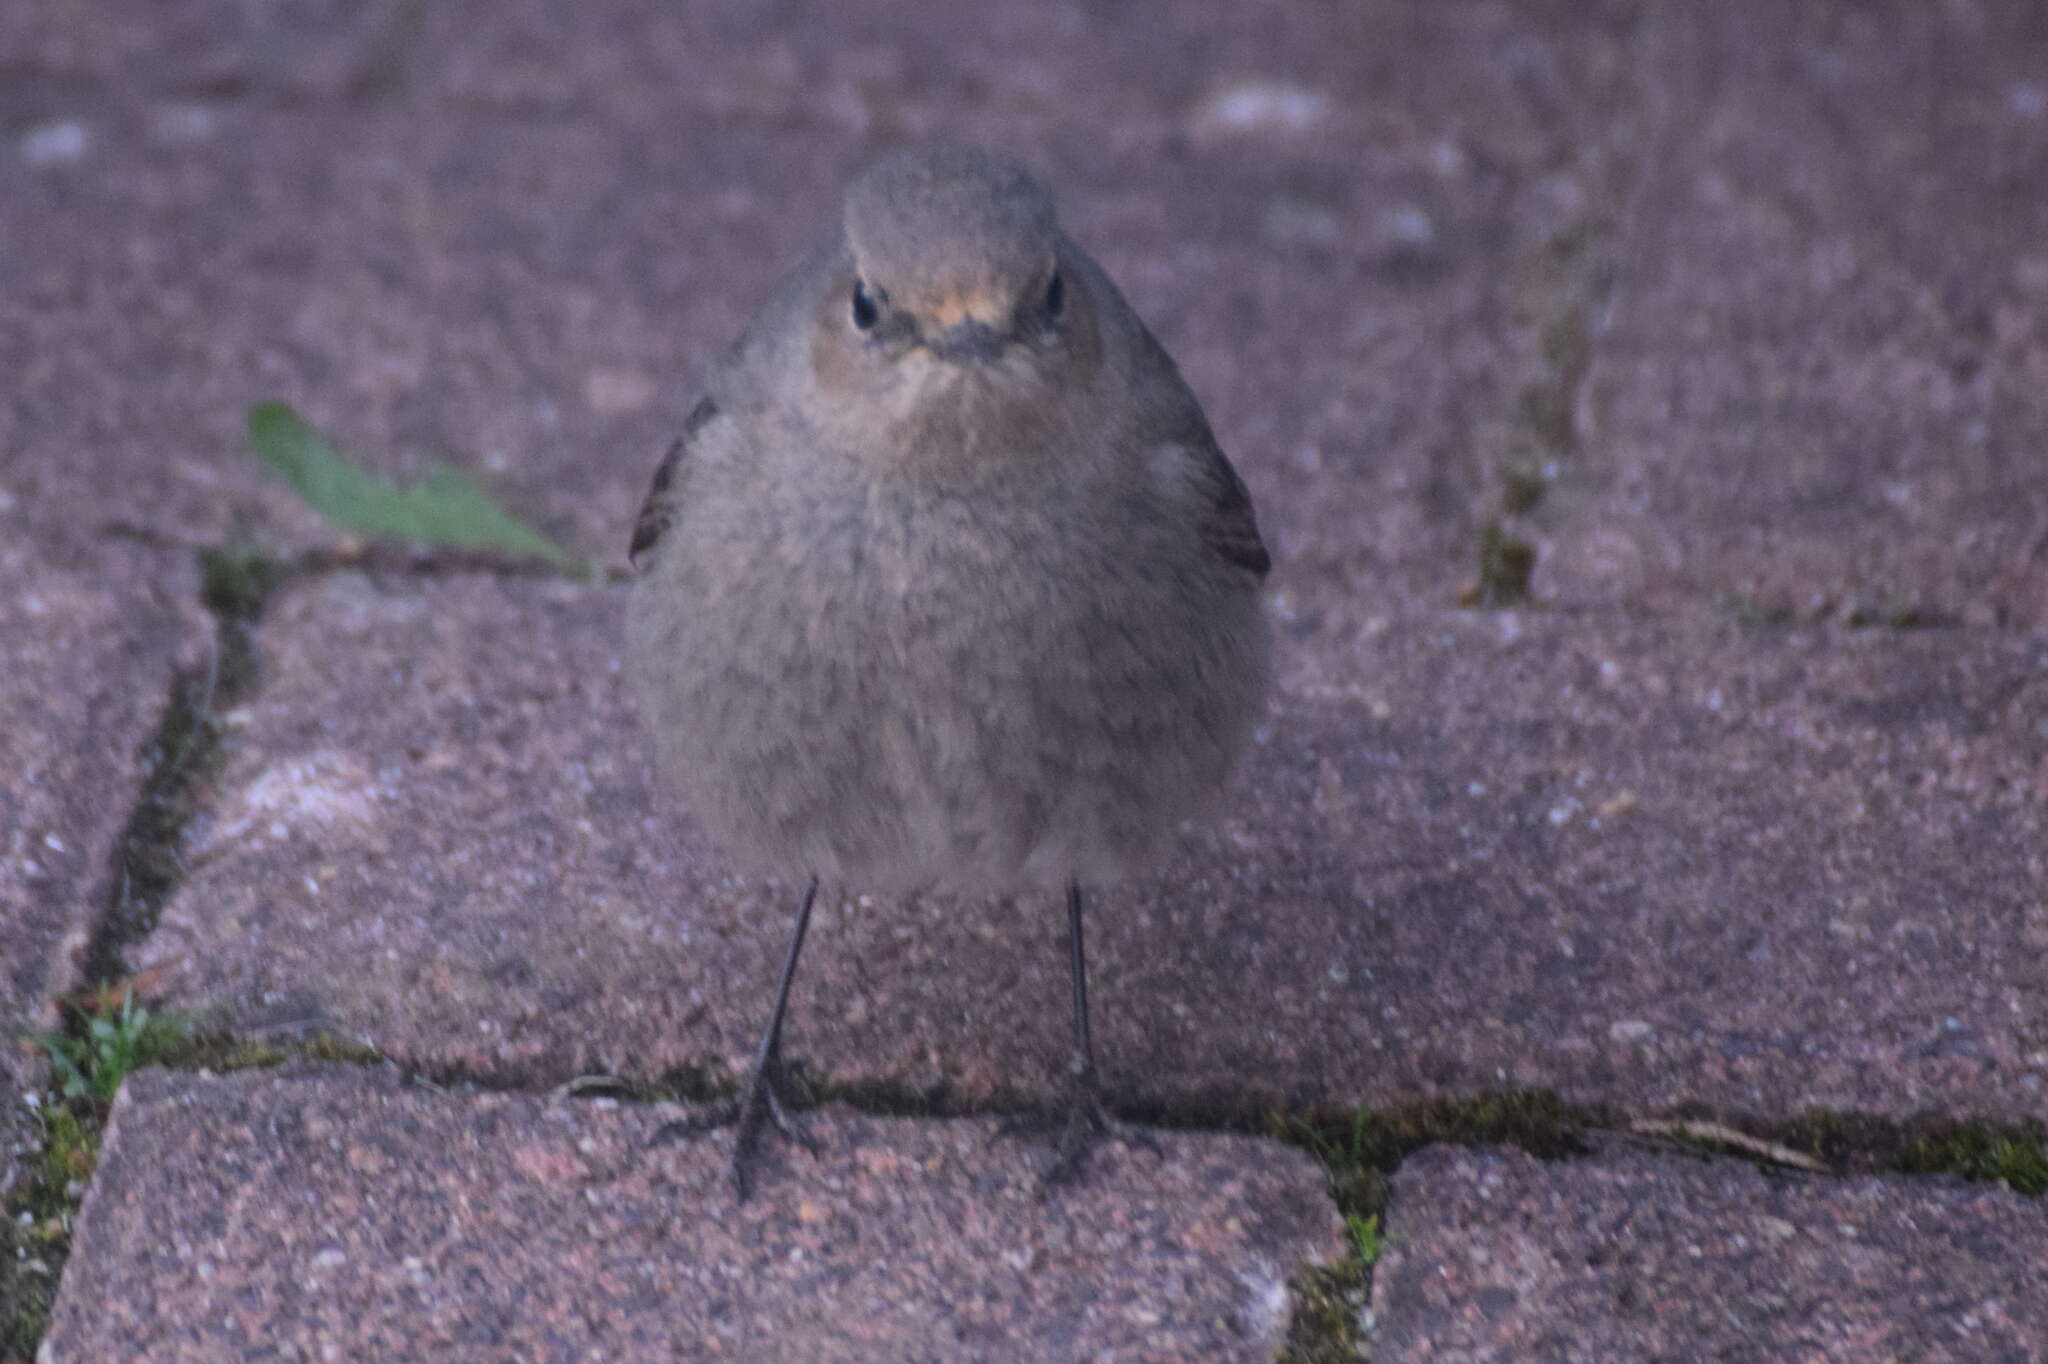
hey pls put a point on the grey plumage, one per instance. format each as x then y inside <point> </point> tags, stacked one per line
<point>947,584</point>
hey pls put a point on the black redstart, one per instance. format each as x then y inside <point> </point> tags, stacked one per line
<point>946,584</point>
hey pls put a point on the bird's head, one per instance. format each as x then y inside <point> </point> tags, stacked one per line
<point>956,304</point>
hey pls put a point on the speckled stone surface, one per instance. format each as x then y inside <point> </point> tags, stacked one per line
<point>91,634</point>
<point>1734,312</point>
<point>1640,862</point>
<point>1494,1256</point>
<point>510,245</point>
<point>1819,385</point>
<point>17,1137</point>
<point>339,1215</point>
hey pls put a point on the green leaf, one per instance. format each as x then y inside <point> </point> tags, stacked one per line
<point>71,1080</point>
<point>1366,1237</point>
<point>448,508</point>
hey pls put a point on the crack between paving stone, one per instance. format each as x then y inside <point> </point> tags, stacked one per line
<point>145,869</point>
<point>1360,1155</point>
<point>1823,1143</point>
<point>1559,292</point>
<point>186,749</point>
<point>238,580</point>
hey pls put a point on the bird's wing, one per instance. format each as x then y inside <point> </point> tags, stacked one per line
<point>1170,424</point>
<point>1195,463</point>
<point>664,494</point>
<point>1228,527</point>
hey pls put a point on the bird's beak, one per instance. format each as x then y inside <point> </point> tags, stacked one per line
<point>971,341</point>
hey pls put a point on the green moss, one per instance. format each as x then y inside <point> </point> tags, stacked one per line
<point>237,577</point>
<point>1328,1319</point>
<point>1979,1151</point>
<point>1897,613</point>
<point>1361,1150</point>
<point>1505,566</point>
<point>107,1044</point>
<point>101,1047</point>
<point>1366,1240</point>
<point>1535,1120</point>
<point>107,1040</point>
<point>34,1239</point>
<point>71,1152</point>
<point>28,1287</point>
<point>224,1052</point>
<point>35,1233</point>
<point>2015,1153</point>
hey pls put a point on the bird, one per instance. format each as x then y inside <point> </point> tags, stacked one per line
<point>946,586</point>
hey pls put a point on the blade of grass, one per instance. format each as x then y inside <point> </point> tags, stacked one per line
<point>447,509</point>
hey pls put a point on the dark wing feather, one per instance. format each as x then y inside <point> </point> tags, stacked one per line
<point>1230,529</point>
<point>1170,414</point>
<point>659,508</point>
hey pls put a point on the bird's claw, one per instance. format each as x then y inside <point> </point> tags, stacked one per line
<point>1075,1132</point>
<point>718,1115</point>
<point>763,1102</point>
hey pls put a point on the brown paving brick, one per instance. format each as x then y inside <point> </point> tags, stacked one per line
<point>1822,383</point>
<point>339,1215</point>
<point>1641,862</point>
<point>17,1137</point>
<point>510,245</point>
<point>1646,862</point>
<point>1492,1255</point>
<point>1385,242</point>
<point>90,636</point>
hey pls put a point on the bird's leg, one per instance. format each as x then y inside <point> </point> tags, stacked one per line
<point>762,1097</point>
<point>1087,1121</point>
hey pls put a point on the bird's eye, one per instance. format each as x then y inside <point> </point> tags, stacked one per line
<point>1056,295</point>
<point>865,309</point>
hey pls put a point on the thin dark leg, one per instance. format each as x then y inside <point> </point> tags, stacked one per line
<point>763,1098</point>
<point>1087,1121</point>
<point>771,1041</point>
<point>1083,1062</point>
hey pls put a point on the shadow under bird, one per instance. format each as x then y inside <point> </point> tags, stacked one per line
<point>947,585</point>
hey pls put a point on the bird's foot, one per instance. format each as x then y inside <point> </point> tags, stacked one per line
<point>1075,1129</point>
<point>762,1103</point>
